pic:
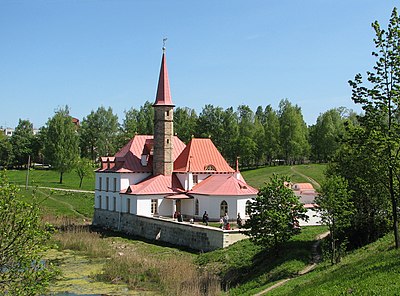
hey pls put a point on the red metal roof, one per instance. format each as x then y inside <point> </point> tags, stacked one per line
<point>223,185</point>
<point>163,96</point>
<point>159,184</point>
<point>128,159</point>
<point>201,155</point>
<point>302,186</point>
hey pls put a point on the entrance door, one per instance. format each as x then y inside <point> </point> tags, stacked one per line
<point>223,208</point>
<point>178,205</point>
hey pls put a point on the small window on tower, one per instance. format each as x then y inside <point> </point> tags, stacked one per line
<point>167,113</point>
<point>167,141</point>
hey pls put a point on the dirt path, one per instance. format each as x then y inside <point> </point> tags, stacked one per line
<point>316,257</point>
<point>62,202</point>
<point>312,181</point>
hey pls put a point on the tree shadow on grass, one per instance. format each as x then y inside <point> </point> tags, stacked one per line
<point>265,265</point>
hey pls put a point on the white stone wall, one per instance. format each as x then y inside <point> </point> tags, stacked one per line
<point>131,179</point>
<point>313,218</point>
<point>194,236</point>
<point>211,204</point>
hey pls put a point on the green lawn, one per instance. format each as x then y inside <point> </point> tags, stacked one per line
<point>258,177</point>
<point>371,270</point>
<point>50,178</point>
<point>74,205</point>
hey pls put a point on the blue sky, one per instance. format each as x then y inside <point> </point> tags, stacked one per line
<point>88,53</point>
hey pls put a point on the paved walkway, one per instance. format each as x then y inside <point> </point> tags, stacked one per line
<point>316,257</point>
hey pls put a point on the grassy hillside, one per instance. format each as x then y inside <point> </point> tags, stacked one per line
<point>258,177</point>
<point>50,178</point>
<point>371,270</point>
<point>57,204</point>
<point>246,268</point>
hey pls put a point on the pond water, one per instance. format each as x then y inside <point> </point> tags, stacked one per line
<point>77,277</point>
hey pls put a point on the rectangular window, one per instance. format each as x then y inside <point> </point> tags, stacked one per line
<point>154,206</point>
<point>195,179</point>
<point>128,205</point>
<point>100,181</point>
<point>107,181</point>
<point>107,203</point>
<point>115,204</point>
<point>115,184</point>
<point>99,197</point>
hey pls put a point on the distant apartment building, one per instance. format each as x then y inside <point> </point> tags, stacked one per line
<point>8,131</point>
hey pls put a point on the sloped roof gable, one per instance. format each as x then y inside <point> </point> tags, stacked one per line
<point>201,155</point>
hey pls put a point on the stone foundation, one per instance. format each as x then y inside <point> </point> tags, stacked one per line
<point>194,236</point>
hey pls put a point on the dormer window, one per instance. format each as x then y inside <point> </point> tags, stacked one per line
<point>210,167</point>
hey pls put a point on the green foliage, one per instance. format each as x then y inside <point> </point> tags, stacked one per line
<point>325,135</point>
<point>84,167</point>
<point>61,141</point>
<point>336,210</point>
<point>21,142</point>
<point>22,240</point>
<point>273,214</point>
<point>293,133</point>
<point>185,123</point>
<point>6,155</point>
<point>380,125</point>
<point>98,133</point>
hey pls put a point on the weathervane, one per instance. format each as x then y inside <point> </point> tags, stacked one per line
<point>164,42</point>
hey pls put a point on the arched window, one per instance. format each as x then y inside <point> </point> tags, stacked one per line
<point>223,208</point>
<point>196,207</point>
<point>248,207</point>
<point>210,167</point>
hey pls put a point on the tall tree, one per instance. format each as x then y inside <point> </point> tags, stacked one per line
<point>325,135</point>
<point>61,141</point>
<point>22,242</point>
<point>210,124</point>
<point>247,145</point>
<point>380,100</point>
<point>98,133</point>
<point>336,210</point>
<point>6,155</point>
<point>84,167</point>
<point>21,142</point>
<point>129,125</point>
<point>273,214</point>
<point>293,132</point>
<point>230,135</point>
<point>185,123</point>
<point>272,134</point>
<point>145,119</point>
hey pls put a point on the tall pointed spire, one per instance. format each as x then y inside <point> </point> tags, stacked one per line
<point>163,96</point>
<point>163,124</point>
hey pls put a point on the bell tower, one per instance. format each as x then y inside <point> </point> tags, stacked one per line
<point>163,162</point>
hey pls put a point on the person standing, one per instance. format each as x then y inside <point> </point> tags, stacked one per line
<point>205,218</point>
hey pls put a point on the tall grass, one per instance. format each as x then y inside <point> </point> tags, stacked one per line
<point>140,267</point>
<point>171,275</point>
<point>80,238</point>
